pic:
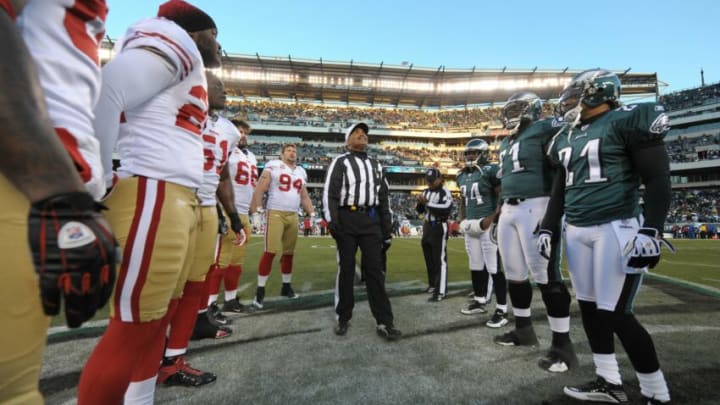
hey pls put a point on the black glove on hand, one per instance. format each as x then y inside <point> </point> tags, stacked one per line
<point>74,253</point>
<point>644,248</point>
<point>235,223</point>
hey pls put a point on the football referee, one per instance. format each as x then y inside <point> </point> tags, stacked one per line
<point>357,209</point>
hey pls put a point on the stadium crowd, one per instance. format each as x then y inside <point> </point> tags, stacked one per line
<point>304,114</point>
<point>696,97</point>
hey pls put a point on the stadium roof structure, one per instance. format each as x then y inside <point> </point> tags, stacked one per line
<point>321,81</point>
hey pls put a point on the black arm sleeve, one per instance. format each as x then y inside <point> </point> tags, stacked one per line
<point>556,206</point>
<point>653,166</point>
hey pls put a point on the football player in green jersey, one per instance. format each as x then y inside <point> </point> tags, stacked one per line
<point>606,152</point>
<point>479,188</point>
<point>526,176</point>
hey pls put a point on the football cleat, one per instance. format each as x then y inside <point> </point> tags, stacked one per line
<point>598,391</point>
<point>178,372</point>
<point>559,359</point>
<point>216,316</point>
<point>205,329</point>
<point>388,332</point>
<point>436,297</point>
<point>341,328</point>
<point>257,301</point>
<point>498,320</point>
<point>518,337</point>
<point>474,308</point>
<point>288,292</point>
<point>234,305</point>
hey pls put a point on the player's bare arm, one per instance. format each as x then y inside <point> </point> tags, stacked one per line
<point>263,185</point>
<point>26,128</point>
<point>305,201</point>
<point>225,192</point>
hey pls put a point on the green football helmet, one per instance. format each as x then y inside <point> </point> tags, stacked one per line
<point>590,88</point>
<point>476,153</point>
<point>521,108</point>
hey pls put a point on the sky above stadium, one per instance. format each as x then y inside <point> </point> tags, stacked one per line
<point>670,37</point>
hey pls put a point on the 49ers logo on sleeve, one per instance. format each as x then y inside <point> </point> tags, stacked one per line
<point>85,23</point>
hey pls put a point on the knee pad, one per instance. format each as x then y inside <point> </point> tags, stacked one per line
<point>556,297</point>
<point>520,294</point>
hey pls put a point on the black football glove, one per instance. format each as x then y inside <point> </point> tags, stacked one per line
<point>74,253</point>
<point>644,249</point>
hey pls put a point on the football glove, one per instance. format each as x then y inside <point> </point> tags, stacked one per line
<point>644,249</point>
<point>544,243</point>
<point>74,253</point>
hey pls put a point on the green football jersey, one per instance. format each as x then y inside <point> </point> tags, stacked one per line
<point>525,171</point>
<point>477,189</point>
<point>600,184</point>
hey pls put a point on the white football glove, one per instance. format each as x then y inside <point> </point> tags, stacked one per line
<point>464,224</point>
<point>644,249</point>
<point>475,227</point>
<point>544,246</point>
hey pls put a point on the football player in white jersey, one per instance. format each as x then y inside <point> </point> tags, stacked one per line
<point>37,175</point>
<point>284,182</point>
<point>219,137</point>
<point>242,165</point>
<point>153,106</point>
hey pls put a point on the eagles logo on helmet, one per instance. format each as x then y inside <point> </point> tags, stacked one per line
<point>590,88</point>
<point>521,108</point>
<point>476,153</point>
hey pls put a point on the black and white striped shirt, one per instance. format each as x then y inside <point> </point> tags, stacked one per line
<point>439,204</point>
<point>354,179</point>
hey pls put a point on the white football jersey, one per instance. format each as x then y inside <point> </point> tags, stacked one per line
<point>285,186</point>
<point>62,37</point>
<point>244,175</point>
<point>161,138</point>
<point>220,137</point>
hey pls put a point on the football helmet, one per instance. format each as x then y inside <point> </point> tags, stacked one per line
<point>521,108</point>
<point>476,153</point>
<point>590,88</point>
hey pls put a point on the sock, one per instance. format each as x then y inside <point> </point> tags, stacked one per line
<point>231,280</point>
<point>479,282</point>
<point>106,376</point>
<point>606,366</point>
<point>653,385</point>
<point>264,268</point>
<point>500,285</point>
<point>214,277</point>
<point>183,323</point>
<point>521,297</point>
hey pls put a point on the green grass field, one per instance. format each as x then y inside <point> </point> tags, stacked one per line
<point>696,261</point>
